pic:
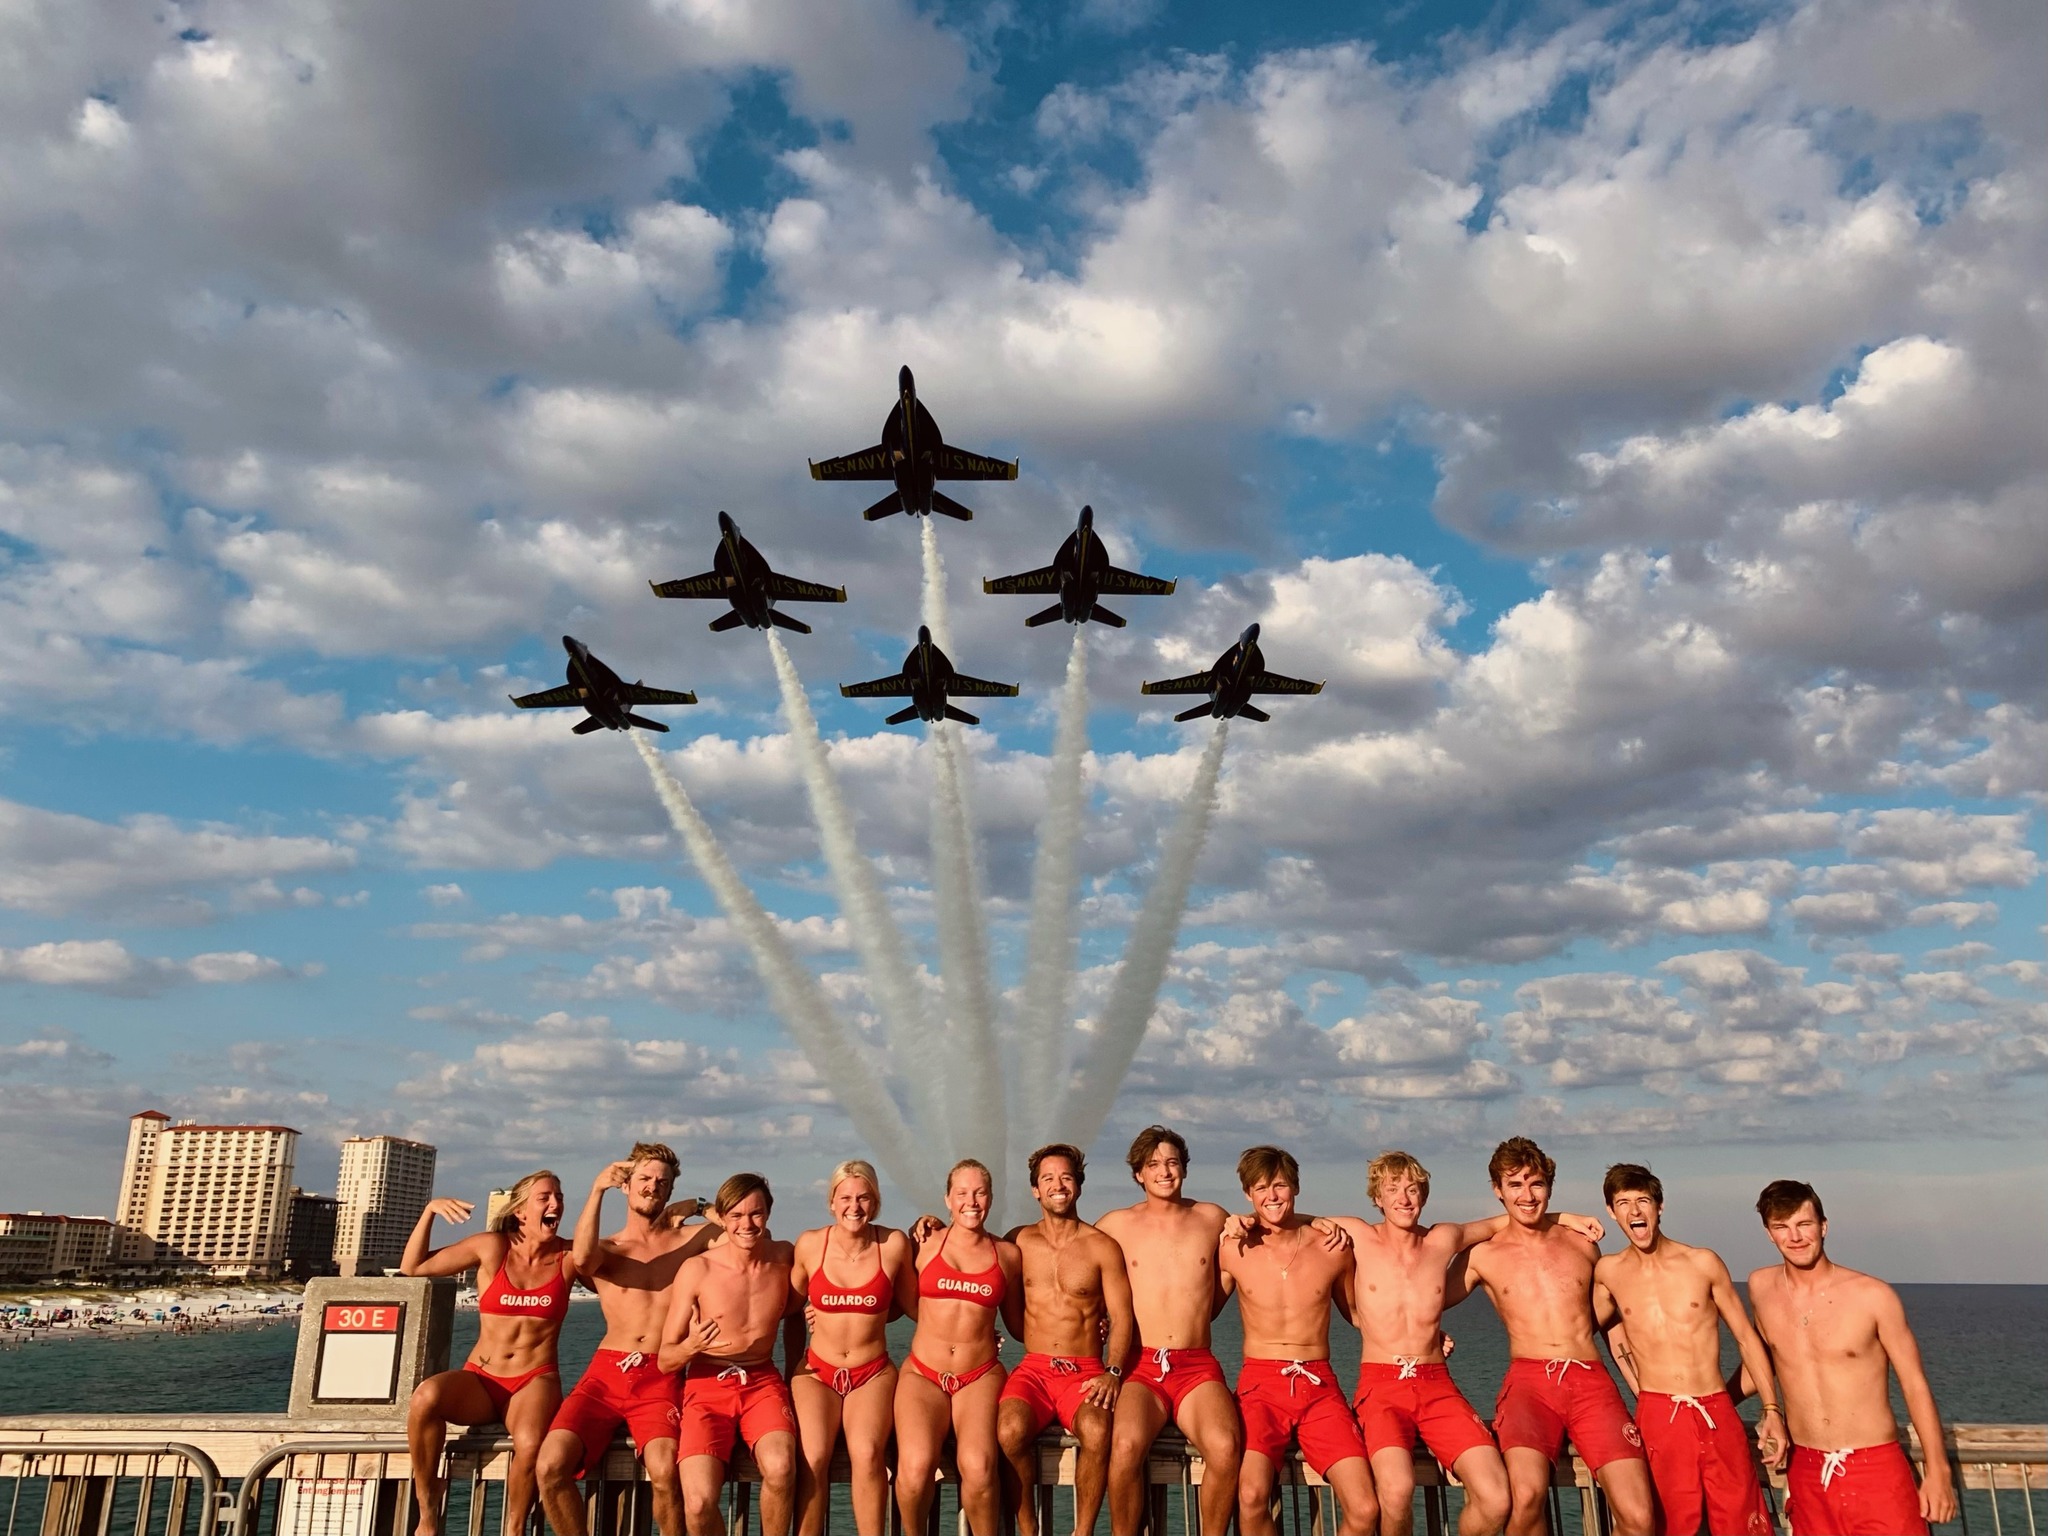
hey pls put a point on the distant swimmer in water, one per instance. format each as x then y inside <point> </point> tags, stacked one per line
<point>523,1275</point>
<point>724,1311</point>
<point>1671,1301</point>
<point>851,1278</point>
<point>1834,1335</point>
<point>624,1384</point>
<point>954,1375</point>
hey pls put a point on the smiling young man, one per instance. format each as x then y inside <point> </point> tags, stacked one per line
<point>1539,1276</point>
<point>1835,1335</point>
<point>1671,1301</point>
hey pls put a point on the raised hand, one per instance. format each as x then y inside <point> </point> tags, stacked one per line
<point>1335,1238</point>
<point>449,1209</point>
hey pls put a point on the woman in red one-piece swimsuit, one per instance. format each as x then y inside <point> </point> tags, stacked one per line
<point>965,1279</point>
<point>523,1273</point>
<point>850,1276</point>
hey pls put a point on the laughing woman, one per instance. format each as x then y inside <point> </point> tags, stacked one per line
<point>523,1272</point>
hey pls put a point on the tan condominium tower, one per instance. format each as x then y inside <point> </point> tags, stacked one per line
<point>205,1197</point>
<point>386,1181</point>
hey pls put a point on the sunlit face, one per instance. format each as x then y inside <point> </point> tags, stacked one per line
<point>1272,1200</point>
<point>1057,1186</point>
<point>746,1224</point>
<point>649,1187</point>
<point>1638,1216</point>
<point>854,1203</point>
<point>967,1197</point>
<point>1163,1172</point>
<point>1800,1237</point>
<point>542,1211</point>
<point>1400,1199</point>
<point>1525,1193</point>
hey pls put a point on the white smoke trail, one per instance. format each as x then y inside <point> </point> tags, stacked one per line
<point>796,995</point>
<point>885,960</point>
<point>1135,992</point>
<point>1049,964</point>
<point>936,617</point>
<point>976,1066</point>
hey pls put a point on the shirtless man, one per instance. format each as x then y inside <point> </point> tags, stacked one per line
<point>1539,1276</point>
<point>1399,1269</point>
<point>1286,1275</point>
<point>1832,1333</point>
<point>1670,1301</point>
<point>1074,1288</point>
<point>624,1383</point>
<point>724,1310</point>
<point>1170,1246</point>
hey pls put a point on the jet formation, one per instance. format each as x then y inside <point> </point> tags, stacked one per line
<point>928,681</point>
<point>741,576</point>
<point>916,457</point>
<point>1080,573</point>
<point>608,698</point>
<point>1239,673</point>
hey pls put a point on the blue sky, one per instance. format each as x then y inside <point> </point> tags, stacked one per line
<point>1633,412</point>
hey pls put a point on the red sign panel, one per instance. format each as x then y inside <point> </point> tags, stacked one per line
<point>354,1317</point>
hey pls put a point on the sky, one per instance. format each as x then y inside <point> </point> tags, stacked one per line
<point>1633,412</point>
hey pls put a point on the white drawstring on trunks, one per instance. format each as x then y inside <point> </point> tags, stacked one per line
<point>1563,1368</point>
<point>1831,1463</point>
<point>1162,1357</point>
<point>1296,1368</point>
<point>1409,1365</point>
<point>734,1370</point>
<point>1681,1400</point>
<point>842,1381</point>
<point>632,1362</point>
<point>1064,1366</point>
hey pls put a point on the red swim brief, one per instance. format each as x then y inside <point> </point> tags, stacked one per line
<point>1543,1401</point>
<point>1297,1400</point>
<point>1398,1401</point>
<point>723,1401</point>
<point>619,1388</point>
<point>1051,1386</point>
<point>1701,1465</point>
<point>1865,1492</point>
<point>1174,1373</point>
<point>946,1381</point>
<point>503,1389</point>
<point>845,1379</point>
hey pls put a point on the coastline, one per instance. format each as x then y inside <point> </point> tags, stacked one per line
<point>28,1317</point>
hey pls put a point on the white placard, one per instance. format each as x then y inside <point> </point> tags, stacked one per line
<point>356,1367</point>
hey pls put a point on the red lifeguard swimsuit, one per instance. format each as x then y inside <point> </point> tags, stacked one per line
<point>877,1298</point>
<point>940,1281</point>
<point>501,1298</point>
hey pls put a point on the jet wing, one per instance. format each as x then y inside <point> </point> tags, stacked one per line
<point>789,589</point>
<point>869,464</point>
<point>640,693</point>
<point>1273,682</point>
<point>568,696</point>
<point>897,687</point>
<point>1114,580</point>
<point>959,464</point>
<point>1194,682</point>
<point>961,686</point>
<point>1045,579</point>
<point>710,584</point>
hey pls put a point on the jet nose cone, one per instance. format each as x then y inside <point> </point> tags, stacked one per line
<point>724,522</point>
<point>904,380</point>
<point>924,634</point>
<point>1087,517</point>
<point>571,644</point>
<point>1250,635</point>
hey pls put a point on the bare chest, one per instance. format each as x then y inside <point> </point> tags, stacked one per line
<point>1818,1333</point>
<point>1672,1306</point>
<point>746,1305</point>
<point>1183,1254</point>
<point>1069,1272</point>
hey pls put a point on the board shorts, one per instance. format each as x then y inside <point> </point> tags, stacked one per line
<point>503,1389</point>
<point>845,1379</point>
<point>1051,1386</point>
<point>724,1402</point>
<point>1865,1492</point>
<point>1297,1400</point>
<point>1701,1465</point>
<point>1174,1373</point>
<point>1542,1402</point>
<point>619,1388</point>
<point>1400,1401</point>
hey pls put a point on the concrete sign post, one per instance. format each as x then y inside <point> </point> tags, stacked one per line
<point>364,1344</point>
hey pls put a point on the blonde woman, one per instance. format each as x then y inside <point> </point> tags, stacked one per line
<point>523,1274</point>
<point>954,1375</point>
<point>851,1278</point>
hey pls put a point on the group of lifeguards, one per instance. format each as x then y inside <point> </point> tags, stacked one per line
<point>1115,1317</point>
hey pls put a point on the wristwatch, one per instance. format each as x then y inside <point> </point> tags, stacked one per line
<point>1114,1370</point>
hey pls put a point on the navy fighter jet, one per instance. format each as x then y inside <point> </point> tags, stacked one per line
<point>912,454</point>
<point>1239,673</point>
<point>927,679</point>
<point>596,687</point>
<point>1080,573</point>
<point>740,575</point>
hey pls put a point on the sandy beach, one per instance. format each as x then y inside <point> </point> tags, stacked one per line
<point>34,1316</point>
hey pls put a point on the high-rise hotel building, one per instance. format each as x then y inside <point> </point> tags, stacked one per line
<point>386,1181</point>
<point>206,1197</point>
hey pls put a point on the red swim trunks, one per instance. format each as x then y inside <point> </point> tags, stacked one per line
<point>503,1389</point>
<point>721,1402</point>
<point>845,1379</point>
<point>1864,1492</point>
<point>1297,1400</point>
<point>1050,1386</point>
<point>1397,1402</point>
<point>1174,1373</point>
<point>1543,1401</point>
<point>619,1388</point>
<point>1701,1465</point>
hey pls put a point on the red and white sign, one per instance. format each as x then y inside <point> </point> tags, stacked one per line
<point>358,1352</point>
<point>351,1317</point>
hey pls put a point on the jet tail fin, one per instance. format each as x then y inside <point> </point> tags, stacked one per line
<point>941,502</point>
<point>902,716</point>
<point>646,724</point>
<point>787,622</point>
<point>888,505</point>
<point>1045,617</point>
<point>1102,615</point>
<point>586,725</point>
<point>962,716</point>
<point>1193,714</point>
<point>725,621</point>
<point>1252,712</point>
